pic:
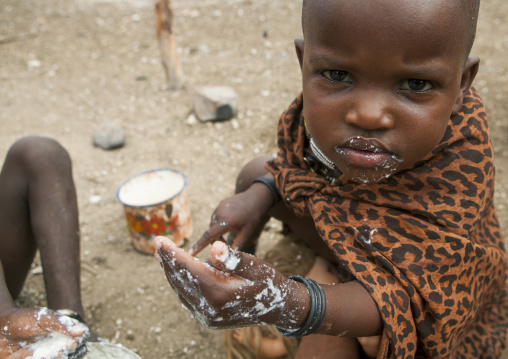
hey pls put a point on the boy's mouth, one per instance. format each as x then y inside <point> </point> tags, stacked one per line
<point>362,152</point>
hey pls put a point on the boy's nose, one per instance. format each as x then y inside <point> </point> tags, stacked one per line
<point>370,111</point>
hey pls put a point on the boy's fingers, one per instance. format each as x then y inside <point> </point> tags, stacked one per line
<point>28,323</point>
<point>214,233</point>
<point>200,244</point>
<point>238,239</point>
<point>26,349</point>
<point>241,264</point>
<point>180,280</point>
<point>184,301</point>
<point>207,238</point>
<point>21,354</point>
<point>51,322</point>
<point>181,267</point>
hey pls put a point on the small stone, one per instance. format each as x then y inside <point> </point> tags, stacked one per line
<point>109,136</point>
<point>37,270</point>
<point>34,64</point>
<point>201,49</point>
<point>130,335</point>
<point>191,120</point>
<point>215,103</point>
<point>95,199</point>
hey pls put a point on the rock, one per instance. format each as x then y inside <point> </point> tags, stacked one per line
<point>130,335</point>
<point>109,136</point>
<point>95,199</point>
<point>201,49</point>
<point>215,103</point>
<point>191,120</point>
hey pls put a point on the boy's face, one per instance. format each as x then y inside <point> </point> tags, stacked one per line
<point>381,80</point>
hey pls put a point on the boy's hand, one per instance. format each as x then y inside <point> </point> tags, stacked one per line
<point>21,329</point>
<point>240,215</point>
<point>239,290</point>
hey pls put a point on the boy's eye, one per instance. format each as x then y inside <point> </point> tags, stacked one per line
<point>416,85</point>
<point>337,75</point>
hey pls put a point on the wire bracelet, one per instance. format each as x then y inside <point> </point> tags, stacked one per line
<point>270,183</point>
<point>317,309</point>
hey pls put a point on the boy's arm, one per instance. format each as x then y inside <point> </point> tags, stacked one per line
<point>239,214</point>
<point>350,311</point>
<point>242,290</point>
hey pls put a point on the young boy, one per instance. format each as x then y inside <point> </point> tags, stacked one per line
<point>384,167</point>
<point>38,210</point>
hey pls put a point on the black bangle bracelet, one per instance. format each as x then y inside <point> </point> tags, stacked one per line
<point>317,309</point>
<point>270,183</point>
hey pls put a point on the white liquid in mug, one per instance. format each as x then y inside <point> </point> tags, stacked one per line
<point>151,188</point>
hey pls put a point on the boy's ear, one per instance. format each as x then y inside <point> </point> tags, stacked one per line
<point>299,45</point>
<point>468,75</point>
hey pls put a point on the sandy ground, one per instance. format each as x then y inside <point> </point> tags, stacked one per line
<point>68,66</point>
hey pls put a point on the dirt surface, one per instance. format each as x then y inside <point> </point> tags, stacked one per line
<point>68,66</point>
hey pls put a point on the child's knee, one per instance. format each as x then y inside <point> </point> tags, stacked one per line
<point>39,152</point>
<point>250,171</point>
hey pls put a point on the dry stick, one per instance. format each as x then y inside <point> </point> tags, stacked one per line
<point>167,45</point>
<point>22,37</point>
<point>88,268</point>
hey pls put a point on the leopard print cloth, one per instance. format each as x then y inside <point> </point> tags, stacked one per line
<point>425,243</point>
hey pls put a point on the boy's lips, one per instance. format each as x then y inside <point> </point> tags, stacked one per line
<point>362,152</point>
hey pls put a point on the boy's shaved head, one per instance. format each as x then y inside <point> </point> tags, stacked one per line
<point>463,12</point>
<point>392,71</point>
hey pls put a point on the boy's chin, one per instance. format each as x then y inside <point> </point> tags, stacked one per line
<point>369,176</point>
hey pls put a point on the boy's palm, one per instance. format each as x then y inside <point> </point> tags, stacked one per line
<point>239,290</point>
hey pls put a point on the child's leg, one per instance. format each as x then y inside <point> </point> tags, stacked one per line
<point>370,345</point>
<point>328,347</point>
<point>324,346</point>
<point>38,209</point>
